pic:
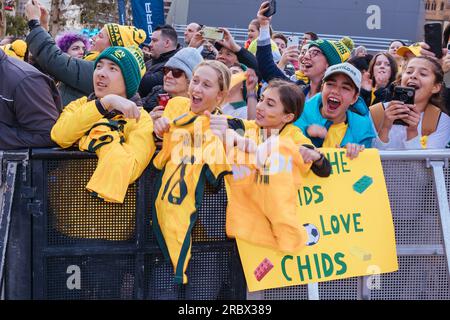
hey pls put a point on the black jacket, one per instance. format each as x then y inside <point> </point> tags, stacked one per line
<point>151,100</point>
<point>154,75</point>
<point>381,95</point>
<point>74,74</point>
<point>29,105</point>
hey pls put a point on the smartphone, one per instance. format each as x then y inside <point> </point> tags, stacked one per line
<point>163,99</point>
<point>272,8</point>
<point>406,95</point>
<point>433,37</point>
<point>448,48</point>
<point>293,41</point>
<point>212,33</point>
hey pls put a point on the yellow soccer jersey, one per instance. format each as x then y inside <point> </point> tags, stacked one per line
<point>263,207</point>
<point>335,135</point>
<point>256,133</point>
<point>176,106</point>
<point>191,153</point>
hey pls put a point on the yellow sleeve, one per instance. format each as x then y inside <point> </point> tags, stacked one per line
<point>123,160</point>
<point>300,138</point>
<point>76,119</point>
<point>296,134</point>
<point>176,107</point>
<point>139,143</point>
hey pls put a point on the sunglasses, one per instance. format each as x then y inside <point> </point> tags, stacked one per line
<point>176,73</point>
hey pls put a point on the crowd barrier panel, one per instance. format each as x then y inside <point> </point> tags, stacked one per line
<point>42,262</point>
<point>418,184</point>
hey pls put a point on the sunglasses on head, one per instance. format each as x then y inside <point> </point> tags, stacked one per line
<point>176,73</point>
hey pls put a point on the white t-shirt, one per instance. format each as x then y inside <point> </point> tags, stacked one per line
<point>397,136</point>
<point>239,111</point>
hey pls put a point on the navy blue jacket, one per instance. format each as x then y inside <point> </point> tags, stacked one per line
<point>268,68</point>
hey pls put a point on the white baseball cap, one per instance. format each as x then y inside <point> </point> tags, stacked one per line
<point>347,69</point>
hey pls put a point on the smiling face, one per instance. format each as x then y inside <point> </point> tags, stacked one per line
<point>204,90</point>
<point>175,86</point>
<point>314,63</point>
<point>419,74</point>
<point>101,41</point>
<point>108,79</point>
<point>270,112</point>
<point>382,66</point>
<point>338,94</point>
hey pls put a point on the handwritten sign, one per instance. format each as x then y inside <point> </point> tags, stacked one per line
<point>348,220</point>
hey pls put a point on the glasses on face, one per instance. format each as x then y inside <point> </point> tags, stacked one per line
<point>176,73</point>
<point>314,53</point>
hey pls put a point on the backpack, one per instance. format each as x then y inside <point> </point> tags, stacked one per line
<point>429,122</point>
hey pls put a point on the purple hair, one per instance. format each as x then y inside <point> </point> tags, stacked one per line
<point>65,40</point>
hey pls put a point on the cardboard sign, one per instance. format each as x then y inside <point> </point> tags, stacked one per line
<point>349,223</point>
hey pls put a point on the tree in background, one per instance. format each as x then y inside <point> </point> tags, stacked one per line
<point>16,25</point>
<point>94,13</point>
<point>97,12</point>
<point>2,19</point>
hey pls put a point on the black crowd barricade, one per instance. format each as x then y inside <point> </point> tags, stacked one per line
<point>49,224</point>
<point>69,261</point>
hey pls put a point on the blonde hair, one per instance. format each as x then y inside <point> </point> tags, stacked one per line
<point>223,75</point>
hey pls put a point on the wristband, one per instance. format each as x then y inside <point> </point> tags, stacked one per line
<point>252,95</point>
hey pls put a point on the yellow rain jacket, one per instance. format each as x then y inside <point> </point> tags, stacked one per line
<point>124,147</point>
<point>191,154</point>
<point>263,207</point>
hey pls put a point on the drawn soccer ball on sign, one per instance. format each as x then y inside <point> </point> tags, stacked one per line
<point>313,234</point>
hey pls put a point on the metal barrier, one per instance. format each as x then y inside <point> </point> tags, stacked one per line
<point>15,248</point>
<point>418,185</point>
<point>372,44</point>
<point>44,262</point>
<point>129,265</point>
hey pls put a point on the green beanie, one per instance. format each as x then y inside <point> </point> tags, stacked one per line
<point>127,63</point>
<point>335,51</point>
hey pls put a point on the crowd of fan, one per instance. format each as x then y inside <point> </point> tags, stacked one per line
<point>120,95</point>
<point>350,106</point>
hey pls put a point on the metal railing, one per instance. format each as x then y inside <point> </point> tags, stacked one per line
<point>42,261</point>
<point>418,184</point>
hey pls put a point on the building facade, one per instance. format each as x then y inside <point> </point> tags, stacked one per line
<point>437,11</point>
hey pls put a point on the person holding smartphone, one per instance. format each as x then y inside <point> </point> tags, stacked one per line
<point>427,127</point>
<point>320,55</point>
<point>177,75</point>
